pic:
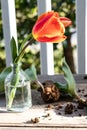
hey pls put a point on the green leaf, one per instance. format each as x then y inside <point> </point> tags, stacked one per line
<point>62,87</point>
<point>3,75</point>
<point>70,82</point>
<point>25,74</point>
<point>70,86</point>
<point>31,72</point>
<point>14,49</point>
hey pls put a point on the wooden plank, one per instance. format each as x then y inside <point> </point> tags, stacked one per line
<point>78,119</point>
<point>81,78</point>
<point>48,118</point>
<point>41,128</point>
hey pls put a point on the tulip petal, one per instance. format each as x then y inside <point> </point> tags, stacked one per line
<point>44,15</point>
<point>66,21</point>
<point>52,28</point>
<point>41,21</point>
<point>56,39</point>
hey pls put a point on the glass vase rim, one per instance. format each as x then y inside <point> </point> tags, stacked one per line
<point>15,64</point>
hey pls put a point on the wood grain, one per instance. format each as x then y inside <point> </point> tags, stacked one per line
<point>57,118</point>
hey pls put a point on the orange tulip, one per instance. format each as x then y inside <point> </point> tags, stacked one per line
<point>50,27</point>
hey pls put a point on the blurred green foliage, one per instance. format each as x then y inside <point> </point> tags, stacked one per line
<point>26,15</point>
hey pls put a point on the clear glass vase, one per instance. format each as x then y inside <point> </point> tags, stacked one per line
<point>17,90</point>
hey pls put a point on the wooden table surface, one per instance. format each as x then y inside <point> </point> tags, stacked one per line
<point>53,117</point>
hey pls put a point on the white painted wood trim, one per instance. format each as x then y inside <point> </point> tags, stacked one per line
<point>46,50</point>
<point>86,36</point>
<point>9,25</point>
<point>81,41</point>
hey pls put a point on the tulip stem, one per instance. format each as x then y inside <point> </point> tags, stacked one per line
<point>22,52</point>
<point>40,84</point>
<point>81,100</point>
